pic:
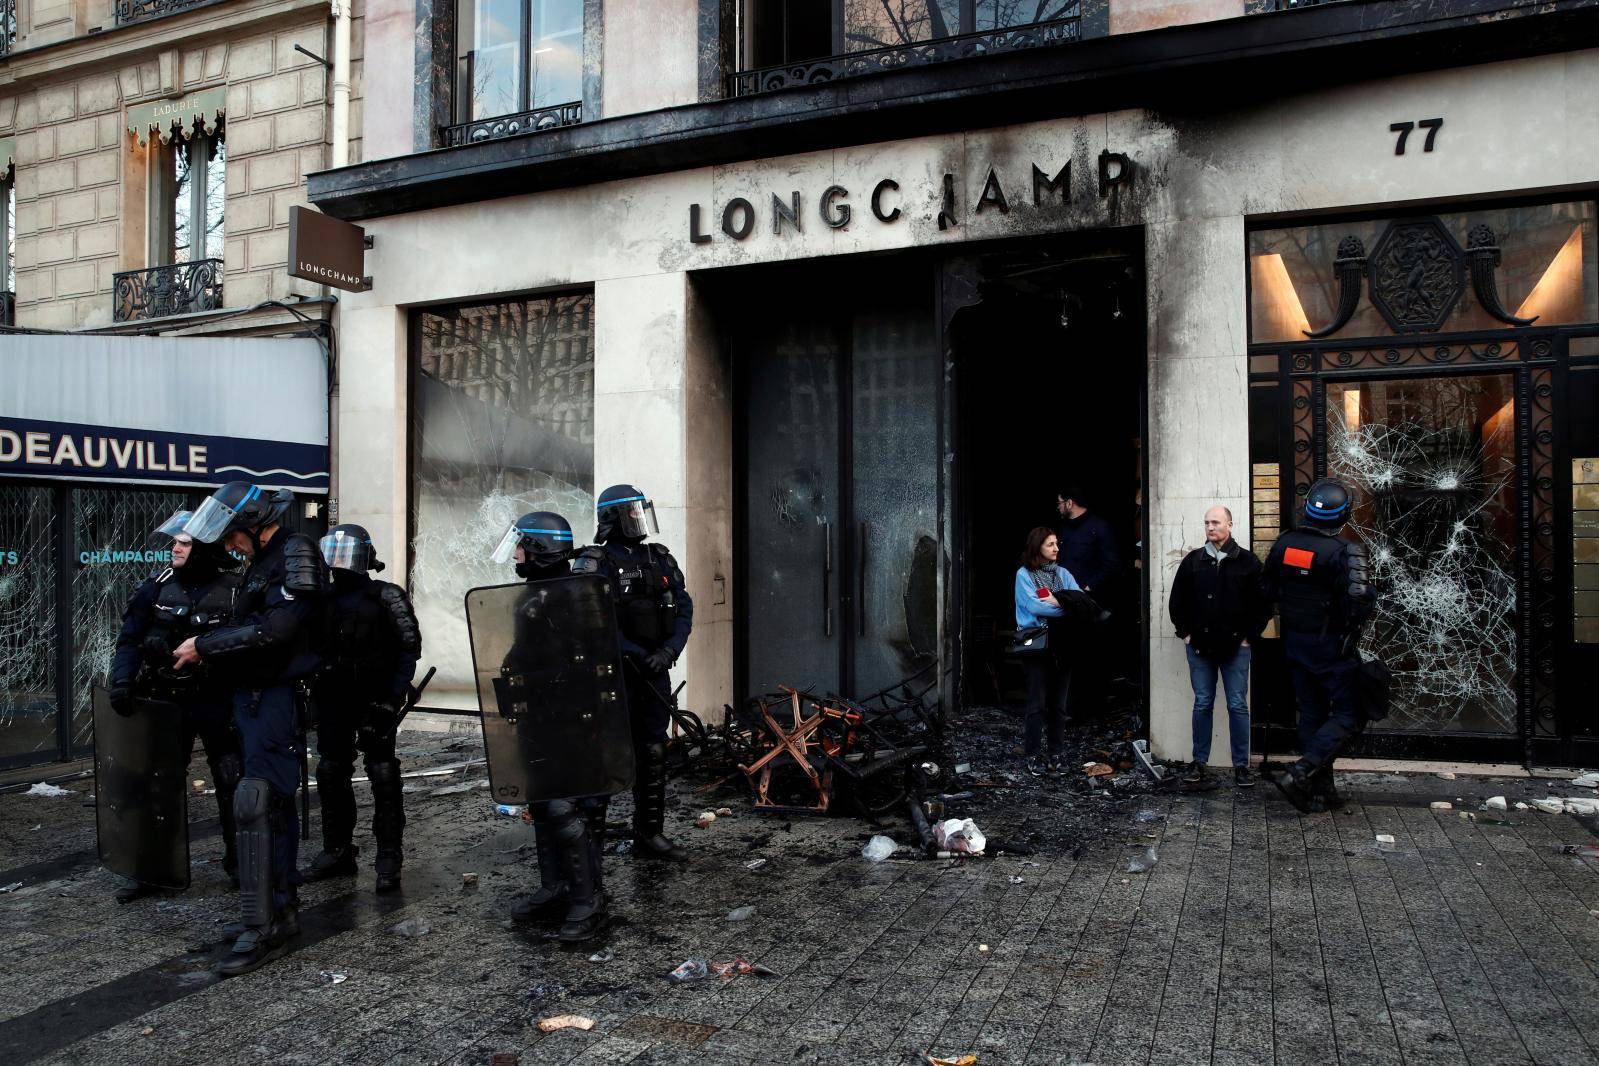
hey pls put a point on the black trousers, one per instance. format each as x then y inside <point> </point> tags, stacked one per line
<point>1049,686</point>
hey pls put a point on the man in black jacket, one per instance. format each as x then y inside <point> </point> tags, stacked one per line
<point>1087,544</point>
<point>1218,607</point>
<point>265,651</point>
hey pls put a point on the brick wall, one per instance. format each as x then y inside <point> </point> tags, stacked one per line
<point>79,173</point>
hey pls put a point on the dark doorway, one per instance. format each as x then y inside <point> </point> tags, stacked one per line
<point>1048,353</point>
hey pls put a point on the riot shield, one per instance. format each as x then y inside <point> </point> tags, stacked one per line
<point>141,809</point>
<point>549,685</point>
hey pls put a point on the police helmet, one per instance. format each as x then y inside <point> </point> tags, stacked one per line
<point>1327,503</point>
<point>624,511</point>
<point>237,505</point>
<point>544,536</point>
<point>349,547</point>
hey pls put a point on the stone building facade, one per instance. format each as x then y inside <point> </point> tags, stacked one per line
<point>80,74</point>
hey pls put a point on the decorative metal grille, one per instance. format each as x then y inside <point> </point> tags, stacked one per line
<point>8,308</point>
<point>1257,7</point>
<point>131,11</point>
<point>492,129</point>
<point>1063,30</point>
<point>157,292</point>
<point>8,26</point>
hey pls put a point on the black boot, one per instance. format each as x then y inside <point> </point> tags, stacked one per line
<point>1296,785</point>
<point>134,890</point>
<point>649,806</point>
<point>586,912</point>
<point>268,927</point>
<point>259,945</point>
<point>330,864</point>
<point>547,904</point>
<point>388,822</point>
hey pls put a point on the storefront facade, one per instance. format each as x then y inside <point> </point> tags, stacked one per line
<point>852,377</point>
<point>101,438</point>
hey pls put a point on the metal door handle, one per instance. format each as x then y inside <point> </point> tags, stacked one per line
<point>827,578</point>
<point>860,565</point>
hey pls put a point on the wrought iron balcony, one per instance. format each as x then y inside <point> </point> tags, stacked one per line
<point>8,308</point>
<point>492,129</point>
<point>8,26</point>
<point>131,11</point>
<point>157,292</point>
<point>1258,7</point>
<point>1064,30</point>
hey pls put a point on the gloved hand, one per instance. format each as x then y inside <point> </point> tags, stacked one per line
<point>659,661</point>
<point>381,718</point>
<point>122,699</point>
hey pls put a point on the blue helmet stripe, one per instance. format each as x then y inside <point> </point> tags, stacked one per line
<point>558,534</point>
<point>613,503</point>
<point>1319,512</point>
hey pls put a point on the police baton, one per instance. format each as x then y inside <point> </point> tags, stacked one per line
<point>302,699</point>
<point>414,696</point>
<point>669,704</point>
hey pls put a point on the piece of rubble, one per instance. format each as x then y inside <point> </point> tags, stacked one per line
<point>1587,780</point>
<point>565,1021</point>
<point>1385,838</point>
<point>963,1060</point>
<point>603,955</point>
<point>960,835</point>
<point>1097,769</point>
<point>334,977</point>
<point>1549,805</point>
<point>469,881</point>
<point>689,970</point>
<point>1494,803</point>
<point>411,927</point>
<point>44,788</point>
<point>1143,862</point>
<point>147,1030</point>
<point>741,914</point>
<point>724,812</point>
<point>1447,775</point>
<point>1442,805</point>
<point>755,864</point>
<point>879,848</point>
<point>705,819</point>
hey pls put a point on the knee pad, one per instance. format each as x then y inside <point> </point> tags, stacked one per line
<point>383,772</point>
<point>571,829</point>
<point>252,801</point>
<point>559,810</point>
<point>329,771</point>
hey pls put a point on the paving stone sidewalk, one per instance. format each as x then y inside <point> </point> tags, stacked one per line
<point>1258,936</point>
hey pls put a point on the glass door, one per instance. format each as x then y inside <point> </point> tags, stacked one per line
<point>29,720</point>
<point>843,565</point>
<point>1433,461</point>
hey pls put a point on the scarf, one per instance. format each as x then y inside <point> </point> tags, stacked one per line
<point>1047,577</point>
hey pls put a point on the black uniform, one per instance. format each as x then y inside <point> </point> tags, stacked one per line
<point>655,616</point>
<point>164,611</point>
<point>266,652</point>
<point>1319,582</point>
<point>372,648</point>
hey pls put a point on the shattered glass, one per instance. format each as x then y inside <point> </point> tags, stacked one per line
<point>503,424</point>
<point>110,540</point>
<point>27,622</point>
<point>1433,465</point>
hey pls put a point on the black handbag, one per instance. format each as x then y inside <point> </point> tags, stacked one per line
<point>1030,640</point>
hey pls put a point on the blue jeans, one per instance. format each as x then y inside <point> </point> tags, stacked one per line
<point>1235,679</point>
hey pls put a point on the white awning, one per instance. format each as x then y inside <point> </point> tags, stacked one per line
<point>165,410</point>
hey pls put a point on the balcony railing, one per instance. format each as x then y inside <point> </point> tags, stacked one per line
<point>1063,30</point>
<point>492,129</point>
<point>131,11</point>
<point>8,308</point>
<point>1258,7</point>
<point>158,292</point>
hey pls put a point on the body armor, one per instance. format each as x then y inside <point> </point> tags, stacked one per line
<point>646,592</point>
<point>1322,582</point>
<point>178,613</point>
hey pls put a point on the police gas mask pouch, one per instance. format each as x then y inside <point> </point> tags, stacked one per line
<point>1030,640</point>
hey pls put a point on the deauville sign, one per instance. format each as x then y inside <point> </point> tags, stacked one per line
<point>835,206</point>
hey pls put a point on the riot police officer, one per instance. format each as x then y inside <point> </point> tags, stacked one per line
<point>655,615</point>
<point>568,834</point>
<point>266,650</point>
<point>372,646</point>
<point>1318,580</point>
<point>191,596</point>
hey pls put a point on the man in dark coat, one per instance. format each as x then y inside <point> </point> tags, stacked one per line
<point>1218,608</point>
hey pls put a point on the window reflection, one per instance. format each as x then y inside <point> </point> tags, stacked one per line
<point>1547,268</point>
<point>518,55</point>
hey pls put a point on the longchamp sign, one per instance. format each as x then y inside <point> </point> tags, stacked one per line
<point>327,250</point>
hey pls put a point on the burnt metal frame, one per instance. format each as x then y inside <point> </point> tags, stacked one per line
<point>1537,360</point>
<point>1064,29</point>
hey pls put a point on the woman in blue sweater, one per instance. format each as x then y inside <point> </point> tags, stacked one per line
<point>1041,598</point>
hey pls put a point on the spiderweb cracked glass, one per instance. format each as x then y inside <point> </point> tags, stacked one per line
<point>1434,492</point>
<point>27,620</point>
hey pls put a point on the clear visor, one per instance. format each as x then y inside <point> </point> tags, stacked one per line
<point>505,551</point>
<point>174,524</point>
<point>637,519</point>
<point>209,521</point>
<point>344,552</point>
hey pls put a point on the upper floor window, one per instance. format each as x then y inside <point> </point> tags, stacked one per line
<point>790,31</point>
<point>188,189</point>
<point>517,55</point>
<point>8,25</point>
